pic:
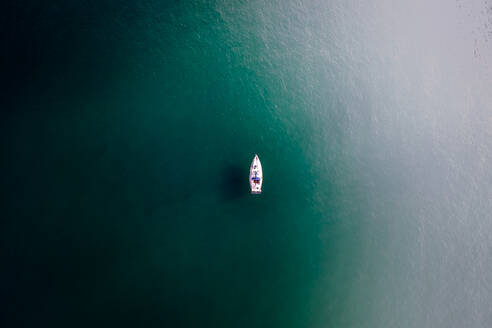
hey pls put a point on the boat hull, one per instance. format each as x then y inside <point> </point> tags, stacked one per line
<point>255,176</point>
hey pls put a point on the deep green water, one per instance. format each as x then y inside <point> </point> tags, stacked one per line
<point>128,129</point>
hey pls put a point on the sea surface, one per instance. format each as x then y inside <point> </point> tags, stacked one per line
<point>127,129</point>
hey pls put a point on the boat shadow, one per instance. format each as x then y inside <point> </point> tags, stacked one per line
<point>234,182</point>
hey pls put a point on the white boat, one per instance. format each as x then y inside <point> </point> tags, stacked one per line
<point>255,176</point>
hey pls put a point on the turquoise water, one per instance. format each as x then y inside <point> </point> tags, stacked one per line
<point>129,129</point>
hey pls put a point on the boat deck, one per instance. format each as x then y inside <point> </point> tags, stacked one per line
<point>255,176</point>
